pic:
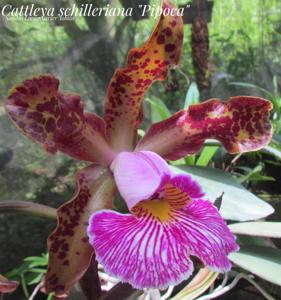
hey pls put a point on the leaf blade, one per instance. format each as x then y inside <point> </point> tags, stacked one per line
<point>262,261</point>
<point>238,203</point>
<point>266,229</point>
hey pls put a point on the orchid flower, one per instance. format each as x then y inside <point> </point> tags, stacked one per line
<point>169,217</point>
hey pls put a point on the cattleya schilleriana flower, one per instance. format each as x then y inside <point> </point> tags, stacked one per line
<point>170,219</point>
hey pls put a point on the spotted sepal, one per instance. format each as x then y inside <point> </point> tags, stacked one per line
<point>241,124</point>
<point>123,105</point>
<point>57,120</point>
<point>69,250</point>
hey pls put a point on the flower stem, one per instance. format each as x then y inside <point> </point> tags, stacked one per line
<point>31,208</point>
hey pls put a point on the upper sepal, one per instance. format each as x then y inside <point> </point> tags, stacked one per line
<point>241,124</point>
<point>57,120</point>
<point>123,105</point>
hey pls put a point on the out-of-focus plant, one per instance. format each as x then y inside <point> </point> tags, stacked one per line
<point>30,274</point>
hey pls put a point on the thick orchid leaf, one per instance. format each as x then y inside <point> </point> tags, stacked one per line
<point>262,261</point>
<point>237,203</point>
<point>198,285</point>
<point>123,105</point>
<point>266,229</point>
<point>6,285</point>
<point>57,120</point>
<point>69,250</point>
<point>242,124</point>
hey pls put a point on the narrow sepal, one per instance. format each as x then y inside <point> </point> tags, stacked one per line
<point>57,121</point>
<point>69,250</point>
<point>242,124</point>
<point>123,105</point>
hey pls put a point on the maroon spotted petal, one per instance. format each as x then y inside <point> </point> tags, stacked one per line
<point>56,120</point>
<point>242,124</point>
<point>69,250</point>
<point>123,105</point>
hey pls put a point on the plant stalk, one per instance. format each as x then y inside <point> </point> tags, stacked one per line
<point>30,208</point>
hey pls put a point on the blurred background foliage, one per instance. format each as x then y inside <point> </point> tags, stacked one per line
<point>245,59</point>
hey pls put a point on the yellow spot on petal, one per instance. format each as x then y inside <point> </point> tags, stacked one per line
<point>157,208</point>
<point>162,209</point>
<point>243,135</point>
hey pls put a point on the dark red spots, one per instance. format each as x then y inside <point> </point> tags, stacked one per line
<point>65,247</point>
<point>147,81</point>
<point>59,287</point>
<point>235,116</point>
<point>236,129</point>
<point>250,129</point>
<point>161,39</point>
<point>36,116</point>
<point>170,48</point>
<point>168,31</point>
<point>33,91</point>
<point>22,90</point>
<point>21,124</point>
<point>50,125</point>
<point>21,103</point>
<point>66,262</point>
<point>85,239</point>
<point>62,255</point>
<point>44,107</point>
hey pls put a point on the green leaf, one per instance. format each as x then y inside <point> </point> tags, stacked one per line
<point>254,175</point>
<point>159,110</point>
<point>206,155</point>
<point>273,149</point>
<point>238,203</point>
<point>266,229</point>
<point>178,162</point>
<point>192,95</point>
<point>190,160</point>
<point>275,86</point>
<point>33,278</point>
<point>264,262</point>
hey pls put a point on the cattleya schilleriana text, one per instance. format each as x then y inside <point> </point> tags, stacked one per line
<point>169,218</point>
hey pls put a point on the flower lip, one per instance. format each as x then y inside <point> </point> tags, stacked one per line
<point>151,247</point>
